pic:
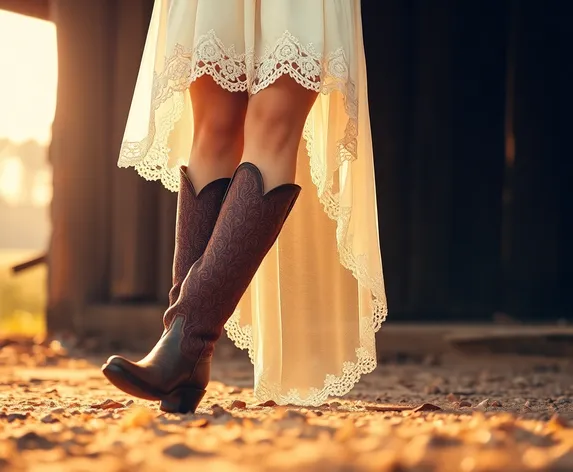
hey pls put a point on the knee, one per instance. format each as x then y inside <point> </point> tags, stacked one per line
<point>272,124</point>
<point>219,133</point>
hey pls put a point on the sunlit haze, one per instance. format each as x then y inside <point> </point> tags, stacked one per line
<point>28,61</point>
<point>28,81</point>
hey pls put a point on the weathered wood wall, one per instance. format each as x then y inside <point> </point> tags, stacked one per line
<point>466,229</point>
<point>540,238</point>
<point>437,90</point>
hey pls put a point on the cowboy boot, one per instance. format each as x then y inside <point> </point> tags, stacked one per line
<point>177,370</point>
<point>196,217</point>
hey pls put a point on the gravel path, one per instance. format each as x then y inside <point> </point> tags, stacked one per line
<point>457,414</point>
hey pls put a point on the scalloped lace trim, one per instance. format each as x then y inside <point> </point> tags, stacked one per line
<point>245,72</point>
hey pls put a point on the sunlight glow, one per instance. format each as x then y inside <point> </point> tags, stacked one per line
<point>28,61</point>
<point>11,179</point>
<point>42,188</point>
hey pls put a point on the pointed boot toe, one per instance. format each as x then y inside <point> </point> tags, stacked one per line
<point>126,376</point>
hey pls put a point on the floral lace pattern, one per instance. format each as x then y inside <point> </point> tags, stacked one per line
<point>247,72</point>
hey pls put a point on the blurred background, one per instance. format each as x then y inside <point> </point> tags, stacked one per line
<point>28,61</point>
<point>471,116</point>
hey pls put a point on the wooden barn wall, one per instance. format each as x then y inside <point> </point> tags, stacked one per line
<point>36,8</point>
<point>463,234</point>
<point>539,267</point>
<point>473,223</point>
<point>437,90</point>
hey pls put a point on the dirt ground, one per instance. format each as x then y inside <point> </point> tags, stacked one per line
<point>464,414</point>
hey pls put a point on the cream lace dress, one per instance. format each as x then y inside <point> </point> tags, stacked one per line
<point>309,316</point>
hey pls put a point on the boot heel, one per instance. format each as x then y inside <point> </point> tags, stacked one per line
<point>182,400</point>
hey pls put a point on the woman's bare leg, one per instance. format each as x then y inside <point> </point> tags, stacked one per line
<point>273,129</point>
<point>218,117</point>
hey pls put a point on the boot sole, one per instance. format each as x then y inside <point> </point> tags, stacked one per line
<point>182,399</point>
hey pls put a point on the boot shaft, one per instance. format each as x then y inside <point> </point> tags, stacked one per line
<point>196,218</point>
<point>247,227</point>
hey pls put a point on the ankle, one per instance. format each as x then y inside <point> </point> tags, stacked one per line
<point>203,173</point>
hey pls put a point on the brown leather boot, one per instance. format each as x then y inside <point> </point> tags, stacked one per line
<point>177,370</point>
<point>196,218</point>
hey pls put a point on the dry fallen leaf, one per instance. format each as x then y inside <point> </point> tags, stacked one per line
<point>108,405</point>
<point>382,408</point>
<point>238,404</point>
<point>426,407</point>
<point>269,403</point>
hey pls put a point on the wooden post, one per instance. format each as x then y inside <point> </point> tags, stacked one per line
<point>81,155</point>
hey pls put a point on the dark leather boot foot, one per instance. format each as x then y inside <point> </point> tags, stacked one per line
<point>122,379</point>
<point>164,374</point>
<point>183,399</point>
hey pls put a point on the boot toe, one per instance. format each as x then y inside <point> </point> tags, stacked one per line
<point>127,376</point>
<point>120,362</point>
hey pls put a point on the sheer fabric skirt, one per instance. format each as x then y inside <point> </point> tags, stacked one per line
<point>309,317</point>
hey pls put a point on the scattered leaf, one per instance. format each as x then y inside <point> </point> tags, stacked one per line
<point>268,403</point>
<point>238,405</point>
<point>426,407</point>
<point>108,405</point>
